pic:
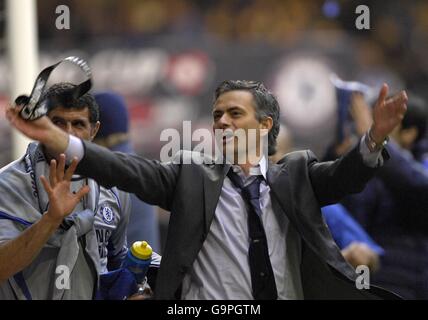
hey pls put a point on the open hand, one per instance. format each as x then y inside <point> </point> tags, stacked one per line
<point>61,200</point>
<point>387,113</point>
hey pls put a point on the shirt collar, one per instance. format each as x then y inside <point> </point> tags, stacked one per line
<point>257,170</point>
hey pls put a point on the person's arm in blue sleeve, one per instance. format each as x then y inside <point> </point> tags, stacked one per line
<point>357,247</point>
<point>345,229</point>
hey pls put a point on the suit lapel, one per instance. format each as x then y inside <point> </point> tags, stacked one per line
<point>279,183</point>
<point>213,183</point>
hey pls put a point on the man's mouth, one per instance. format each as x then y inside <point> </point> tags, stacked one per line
<point>228,135</point>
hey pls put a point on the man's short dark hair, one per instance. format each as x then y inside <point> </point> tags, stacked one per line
<point>266,104</point>
<point>59,95</point>
<point>416,115</point>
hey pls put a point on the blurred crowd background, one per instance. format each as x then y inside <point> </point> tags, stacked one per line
<point>166,56</point>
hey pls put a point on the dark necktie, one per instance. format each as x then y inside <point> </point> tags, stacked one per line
<point>262,277</point>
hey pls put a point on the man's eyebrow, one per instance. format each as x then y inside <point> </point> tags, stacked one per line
<point>57,118</point>
<point>83,119</point>
<point>232,108</point>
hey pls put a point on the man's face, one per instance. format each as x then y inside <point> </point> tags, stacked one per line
<point>236,110</point>
<point>75,122</point>
<point>406,137</point>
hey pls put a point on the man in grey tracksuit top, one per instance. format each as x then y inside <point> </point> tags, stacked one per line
<point>37,260</point>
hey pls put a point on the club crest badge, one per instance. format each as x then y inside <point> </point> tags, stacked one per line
<point>107,214</point>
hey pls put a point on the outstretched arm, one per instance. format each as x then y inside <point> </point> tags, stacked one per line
<point>150,180</point>
<point>349,174</point>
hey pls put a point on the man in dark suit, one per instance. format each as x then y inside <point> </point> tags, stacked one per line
<point>243,230</point>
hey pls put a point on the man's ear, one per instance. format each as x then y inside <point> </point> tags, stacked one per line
<point>409,135</point>
<point>267,124</point>
<point>94,129</point>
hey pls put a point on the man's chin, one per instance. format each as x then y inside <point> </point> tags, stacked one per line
<point>49,155</point>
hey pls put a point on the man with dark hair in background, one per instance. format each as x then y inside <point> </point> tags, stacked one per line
<point>242,230</point>
<point>45,255</point>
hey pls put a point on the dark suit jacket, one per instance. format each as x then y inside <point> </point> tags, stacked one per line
<point>299,186</point>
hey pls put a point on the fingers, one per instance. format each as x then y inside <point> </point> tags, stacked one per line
<point>15,108</point>
<point>12,114</point>
<point>52,173</point>
<point>61,167</point>
<point>46,185</point>
<point>404,96</point>
<point>82,192</point>
<point>382,94</point>
<point>399,98</point>
<point>397,104</point>
<point>13,111</point>
<point>57,173</point>
<point>15,120</point>
<point>70,170</point>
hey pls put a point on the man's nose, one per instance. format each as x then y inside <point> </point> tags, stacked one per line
<point>224,122</point>
<point>69,128</point>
